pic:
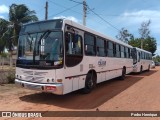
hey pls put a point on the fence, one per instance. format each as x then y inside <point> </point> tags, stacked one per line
<point>7,70</point>
<point>7,62</point>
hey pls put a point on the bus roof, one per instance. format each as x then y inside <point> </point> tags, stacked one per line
<point>84,28</point>
<point>142,50</point>
<point>40,21</point>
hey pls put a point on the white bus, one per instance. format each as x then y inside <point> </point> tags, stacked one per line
<point>61,56</point>
<point>142,60</point>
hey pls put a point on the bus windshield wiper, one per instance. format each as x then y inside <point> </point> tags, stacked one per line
<point>45,34</point>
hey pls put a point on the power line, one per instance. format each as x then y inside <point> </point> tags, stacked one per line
<point>76,1</point>
<point>84,10</point>
<point>97,15</point>
<point>64,10</point>
<point>103,19</point>
<point>64,7</point>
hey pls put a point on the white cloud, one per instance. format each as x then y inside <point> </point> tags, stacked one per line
<point>142,13</point>
<point>137,17</point>
<point>132,21</point>
<point>2,17</point>
<point>68,17</point>
<point>4,9</point>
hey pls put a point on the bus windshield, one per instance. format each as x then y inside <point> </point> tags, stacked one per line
<point>40,49</point>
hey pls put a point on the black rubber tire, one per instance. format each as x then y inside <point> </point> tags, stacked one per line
<point>148,68</point>
<point>141,70</point>
<point>89,83</point>
<point>122,77</point>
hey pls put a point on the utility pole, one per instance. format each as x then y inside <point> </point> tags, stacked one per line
<point>46,11</point>
<point>142,43</point>
<point>84,12</point>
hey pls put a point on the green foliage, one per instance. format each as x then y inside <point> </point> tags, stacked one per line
<point>4,55</point>
<point>149,44</point>
<point>3,30</point>
<point>145,41</point>
<point>135,42</point>
<point>124,35</point>
<point>11,78</point>
<point>19,14</point>
<point>156,58</point>
<point>9,30</point>
<point>144,29</point>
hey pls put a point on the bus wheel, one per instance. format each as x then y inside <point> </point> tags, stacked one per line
<point>123,73</point>
<point>148,68</point>
<point>141,69</point>
<point>89,83</point>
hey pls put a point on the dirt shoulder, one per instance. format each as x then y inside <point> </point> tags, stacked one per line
<point>136,93</point>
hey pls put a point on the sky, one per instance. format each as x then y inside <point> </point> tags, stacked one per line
<point>128,14</point>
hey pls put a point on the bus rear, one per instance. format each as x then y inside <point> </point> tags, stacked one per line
<point>142,60</point>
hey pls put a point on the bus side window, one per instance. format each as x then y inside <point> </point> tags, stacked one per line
<point>100,44</point>
<point>68,42</point>
<point>126,52</point>
<point>106,47</point>
<point>89,41</point>
<point>122,52</point>
<point>139,56</point>
<point>110,49</point>
<point>118,54</point>
<point>73,44</point>
<point>129,53</point>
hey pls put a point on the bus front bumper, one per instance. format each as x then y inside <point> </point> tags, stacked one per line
<point>56,88</point>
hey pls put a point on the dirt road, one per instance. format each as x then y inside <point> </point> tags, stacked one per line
<point>136,93</point>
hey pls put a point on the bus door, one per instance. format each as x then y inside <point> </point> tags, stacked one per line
<point>73,58</point>
<point>134,55</point>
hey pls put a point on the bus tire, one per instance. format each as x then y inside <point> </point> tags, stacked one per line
<point>90,83</point>
<point>122,77</point>
<point>141,69</point>
<point>148,68</point>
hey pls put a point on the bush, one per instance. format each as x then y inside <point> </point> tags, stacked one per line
<point>11,78</point>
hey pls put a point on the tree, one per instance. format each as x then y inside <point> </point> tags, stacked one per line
<point>145,41</point>
<point>19,14</point>
<point>144,31</point>
<point>3,28</point>
<point>156,58</point>
<point>135,42</point>
<point>149,44</point>
<point>124,35</point>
